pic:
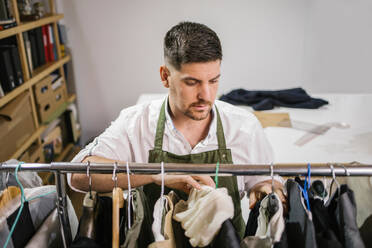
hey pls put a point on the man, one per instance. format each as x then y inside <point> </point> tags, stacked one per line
<point>189,126</point>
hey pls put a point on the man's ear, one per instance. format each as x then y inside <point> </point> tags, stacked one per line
<point>164,75</point>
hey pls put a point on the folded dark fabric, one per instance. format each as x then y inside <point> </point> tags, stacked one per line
<point>268,99</point>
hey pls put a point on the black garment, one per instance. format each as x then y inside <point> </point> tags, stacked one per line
<point>324,225</point>
<point>83,242</point>
<point>266,99</point>
<point>366,231</point>
<point>103,225</point>
<point>299,229</point>
<point>24,230</point>
<point>252,224</point>
<point>342,209</point>
<point>227,237</point>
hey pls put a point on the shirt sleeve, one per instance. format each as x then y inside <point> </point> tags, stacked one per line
<point>113,143</point>
<point>261,152</point>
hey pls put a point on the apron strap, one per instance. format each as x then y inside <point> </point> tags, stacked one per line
<point>220,133</point>
<point>161,126</point>
<point>160,129</point>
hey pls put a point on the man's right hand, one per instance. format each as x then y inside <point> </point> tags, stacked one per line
<point>183,182</point>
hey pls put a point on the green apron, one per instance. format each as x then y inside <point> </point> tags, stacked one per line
<point>221,155</point>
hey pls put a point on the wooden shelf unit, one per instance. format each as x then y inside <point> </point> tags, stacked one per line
<point>23,27</point>
<point>32,78</point>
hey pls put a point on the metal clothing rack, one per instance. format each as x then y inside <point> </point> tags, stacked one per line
<point>61,168</point>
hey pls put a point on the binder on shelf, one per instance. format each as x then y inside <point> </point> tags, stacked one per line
<point>2,93</point>
<point>6,71</point>
<point>28,51</point>
<point>16,62</point>
<point>50,43</point>
<point>3,12</point>
<point>34,56</point>
<point>45,44</point>
<point>39,46</point>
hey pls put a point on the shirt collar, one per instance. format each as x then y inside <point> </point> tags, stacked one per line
<point>212,128</point>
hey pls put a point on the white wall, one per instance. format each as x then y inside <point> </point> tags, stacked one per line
<point>116,46</point>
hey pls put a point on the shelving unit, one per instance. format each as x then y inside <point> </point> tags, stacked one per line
<point>32,78</point>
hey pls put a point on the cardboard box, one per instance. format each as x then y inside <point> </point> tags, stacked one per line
<point>55,139</point>
<point>49,105</point>
<point>16,125</point>
<point>44,88</point>
<point>34,154</point>
<point>268,119</point>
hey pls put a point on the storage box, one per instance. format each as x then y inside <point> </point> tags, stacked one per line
<point>34,154</point>
<point>44,88</point>
<point>16,125</point>
<point>51,103</point>
<point>53,141</point>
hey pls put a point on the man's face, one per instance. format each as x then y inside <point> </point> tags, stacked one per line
<point>193,88</point>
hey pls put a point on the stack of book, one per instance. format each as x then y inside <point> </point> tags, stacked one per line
<point>40,46</point>
<point>6,16</point>
<point>11,75</point>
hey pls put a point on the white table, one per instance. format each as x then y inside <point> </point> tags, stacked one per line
<point>336,145</point>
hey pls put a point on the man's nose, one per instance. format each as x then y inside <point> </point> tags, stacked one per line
<point>204,92</point>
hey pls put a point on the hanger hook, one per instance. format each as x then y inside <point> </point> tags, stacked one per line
<point>129,195</point>
<point>7,179</point>
<point>216,174</point>
<point>347,173</point>
<point>334,178</point>
<point>114,176</point>
<point>333,172</point>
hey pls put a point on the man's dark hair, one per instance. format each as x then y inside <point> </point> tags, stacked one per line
<point>190,42</point>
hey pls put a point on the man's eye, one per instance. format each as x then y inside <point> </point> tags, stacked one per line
<point>214,81</point>
<point>190,83</point>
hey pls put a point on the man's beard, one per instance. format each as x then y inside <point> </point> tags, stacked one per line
<point>198,115</point>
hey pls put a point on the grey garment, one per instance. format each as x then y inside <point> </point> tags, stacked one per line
<point>40,209</point>
<point>4,232</point>
<point>28,179</point>
<point>299,228</point>
<point>140,234</point>
<point>343,209</point>
<point>270,228</point>
<point>362,188</point>
<point>256,242</point>
<point>48,235</point>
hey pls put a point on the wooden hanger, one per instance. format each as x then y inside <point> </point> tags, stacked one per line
<point>117,203</point>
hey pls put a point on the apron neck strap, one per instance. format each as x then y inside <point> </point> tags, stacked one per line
<point>161,126</point>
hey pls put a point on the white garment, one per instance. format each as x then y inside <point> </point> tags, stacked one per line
<point>160,210</point>
<point>203,214</point>
<point>270,228</point>
<point>132,135</point>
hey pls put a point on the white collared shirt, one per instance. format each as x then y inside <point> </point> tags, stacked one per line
<point>131,136</point>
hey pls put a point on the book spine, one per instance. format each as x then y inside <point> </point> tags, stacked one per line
<point>45,44</point>
<point>1,91</point>
<point>16,62</point>
<point>3,12</point>
<point>28,51</point>
<point>6,71</point>
<point>51,43</point>
<point>40,46</point>
<point>34,53</point>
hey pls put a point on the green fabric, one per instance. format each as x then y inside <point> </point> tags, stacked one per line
<point>221,155</point>
<point>141,223</point>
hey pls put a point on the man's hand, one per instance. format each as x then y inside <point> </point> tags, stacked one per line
<point>260,190</point>
<point>184,183</point>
